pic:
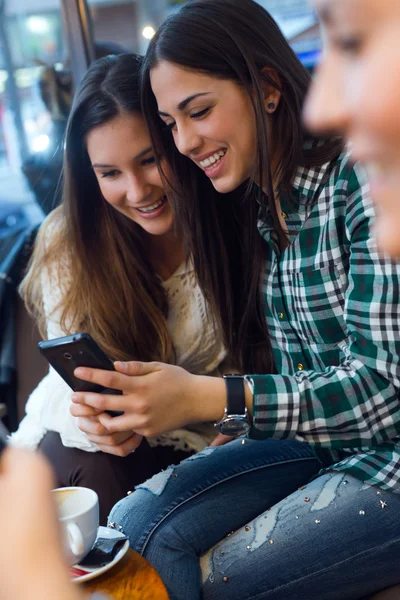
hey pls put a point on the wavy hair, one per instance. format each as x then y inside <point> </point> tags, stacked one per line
<point>114,293</point>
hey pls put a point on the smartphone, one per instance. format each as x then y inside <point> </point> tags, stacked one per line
<point>67,353</point>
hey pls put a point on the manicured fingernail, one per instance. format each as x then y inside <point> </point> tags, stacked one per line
<point>75,398</point>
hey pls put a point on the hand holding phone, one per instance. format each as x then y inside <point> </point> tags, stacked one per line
<point>67,353</point>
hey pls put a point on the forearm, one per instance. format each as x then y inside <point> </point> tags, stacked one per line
<point>342,407</point>
<point>210,399</point>
<point>157,398</point>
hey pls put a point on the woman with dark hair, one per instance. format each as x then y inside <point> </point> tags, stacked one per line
<point>108,261</point>
<point>221,82</point>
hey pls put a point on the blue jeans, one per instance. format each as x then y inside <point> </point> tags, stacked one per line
<point>327,541</point>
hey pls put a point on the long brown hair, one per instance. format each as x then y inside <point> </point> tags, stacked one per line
<point>113,292</point>
<point>234,40</point>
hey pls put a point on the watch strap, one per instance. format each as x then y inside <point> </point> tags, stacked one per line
<point>235,396</point>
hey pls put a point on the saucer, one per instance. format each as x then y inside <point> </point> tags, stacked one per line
<point>80,574</point>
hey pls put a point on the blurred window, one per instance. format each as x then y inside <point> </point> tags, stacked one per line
<point>36,81</point>
<point>35,87</point>
<point>298,22</point>
<point>128,23</point>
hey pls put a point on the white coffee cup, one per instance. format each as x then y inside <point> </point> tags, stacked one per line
<point>78,513</point>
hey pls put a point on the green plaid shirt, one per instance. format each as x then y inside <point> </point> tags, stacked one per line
<point>333,312</point>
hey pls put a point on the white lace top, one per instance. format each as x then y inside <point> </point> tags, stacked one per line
<point>198,348</point>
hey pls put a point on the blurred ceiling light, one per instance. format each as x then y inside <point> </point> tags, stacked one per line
<point>30,126</point>
<point>38,25</point>
<point>148,32</point>
<point>40,143</point>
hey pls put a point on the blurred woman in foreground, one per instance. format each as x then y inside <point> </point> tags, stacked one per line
<point>357,94</point>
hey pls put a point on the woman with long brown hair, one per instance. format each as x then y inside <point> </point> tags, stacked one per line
<point>222,84</point>
<point>109,261</point>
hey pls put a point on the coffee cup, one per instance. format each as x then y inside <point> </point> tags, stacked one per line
<point>78,513</point>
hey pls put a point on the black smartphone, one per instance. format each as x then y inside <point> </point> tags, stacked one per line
<point>67,353</point>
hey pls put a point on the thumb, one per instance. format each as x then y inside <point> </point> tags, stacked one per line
<point>135,367</point>
<point>222,439</point>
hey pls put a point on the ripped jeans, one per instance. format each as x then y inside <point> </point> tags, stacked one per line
<point>331,539</point>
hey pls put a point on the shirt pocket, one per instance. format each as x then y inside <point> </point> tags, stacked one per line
<point>317,305</point>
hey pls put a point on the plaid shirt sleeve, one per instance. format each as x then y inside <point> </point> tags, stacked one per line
<point>356,403</point>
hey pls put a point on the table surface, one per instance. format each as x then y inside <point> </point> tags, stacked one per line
<point>133,578</point>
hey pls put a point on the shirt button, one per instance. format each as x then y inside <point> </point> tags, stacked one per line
<point>284,215</point>
<point>281,315</point>
<point>300,366</point>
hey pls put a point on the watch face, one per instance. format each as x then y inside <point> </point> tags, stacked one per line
<point>232,426</point>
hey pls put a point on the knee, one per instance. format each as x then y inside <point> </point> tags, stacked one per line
<point>135,516</point>
<point>121,512</point>
<point>141,514</point>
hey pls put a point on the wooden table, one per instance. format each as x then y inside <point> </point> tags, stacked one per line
<point>133,578</point>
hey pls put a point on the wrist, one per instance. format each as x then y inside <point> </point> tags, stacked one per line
<point>237,417</point>
<point>208,398</point>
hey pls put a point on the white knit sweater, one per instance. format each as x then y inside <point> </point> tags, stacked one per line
<point>198,348</point>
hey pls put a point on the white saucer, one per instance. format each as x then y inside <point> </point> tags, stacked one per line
<point>91,573</point>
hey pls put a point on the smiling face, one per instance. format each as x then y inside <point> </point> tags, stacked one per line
<point>212,122</point>
<point>124,164</point>
<point>357,93</point>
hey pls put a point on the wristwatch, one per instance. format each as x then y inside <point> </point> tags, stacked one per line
<point>236,418</point>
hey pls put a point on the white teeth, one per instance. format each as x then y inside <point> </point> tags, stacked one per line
<point>151,208</point>
<point>214,158</point>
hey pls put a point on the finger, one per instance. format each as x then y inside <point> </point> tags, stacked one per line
<point>115,439</point>
<point>127,447</point>
<point>122,423</point>
<point>222,439</point>
<point>92,427</point>
<point>111,439</point>
<point>82,410</point>
<point>101,402</point>
<point>108,379</point>
<point>136,367</point>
